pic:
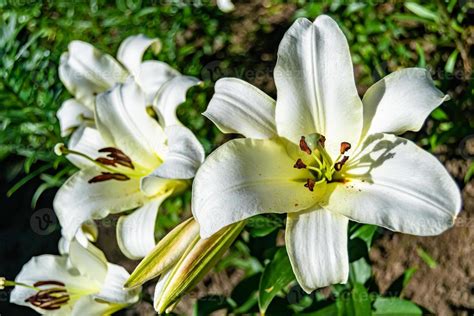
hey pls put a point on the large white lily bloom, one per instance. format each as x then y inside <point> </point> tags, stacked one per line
<point>297,157</point>
<point>225,5</point>
<point>80,283</point>
<point>132,160</point>
<point>87,72</point>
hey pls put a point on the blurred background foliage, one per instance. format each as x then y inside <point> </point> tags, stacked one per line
<point>201,41</point>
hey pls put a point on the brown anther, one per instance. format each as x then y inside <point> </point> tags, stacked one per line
<point>345,146</point>
<point>105,176</point>
<point>310,184</point>
<point>51,298</point>
<point>338,165</point>
<point>111,150</point>
<point>117,157</point>
<point>106,161</point>
<point>127,164</point>
<point>299,164</point>
<point>49,282</point>
<point>304,146</point>
<point>322,141</point>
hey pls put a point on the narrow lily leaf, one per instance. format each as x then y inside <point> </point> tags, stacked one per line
<point>166,253</point>
<point>361,300</point>
<point>469,173</point>
<point>275,277</point>
<point>345,305</point>
<point>421,11</point>
<point>426,258</point>
<point>451,63</point>
<point>197,260</point>
<point>395,306</point>
<point>397,286</point>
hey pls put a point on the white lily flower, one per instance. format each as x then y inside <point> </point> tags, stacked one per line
<point>130,161</point>
<point>87,72</point>
<point>225,5</point>
<point>80,283</point>
<point>323,155</point>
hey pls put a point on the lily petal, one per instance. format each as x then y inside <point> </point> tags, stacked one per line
<point>123,122</point>
<point>90,260</point>
<point>78,201</point>
<point>317,247</point>
<point>71,115</point>
<point>87,305</point>
<point>185,155</point>
<point>246,177</point>
<point>171,94</point>
<point>45,268</point>
<point>153,74</point>
<point>238,107</point>
<point>315,84</point>
<point>401,102</point>
<point>112,289</point>
<point>88,141</point>
<point>395,184</point>
<point>136,232</point>
<point>88,232</point>
<point>131,50</point>
<point>86,71</point>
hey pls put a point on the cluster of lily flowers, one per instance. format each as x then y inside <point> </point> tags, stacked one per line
<point>319,153</point>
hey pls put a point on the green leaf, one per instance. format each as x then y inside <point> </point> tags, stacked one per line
<point>469,173</point>
<point>360,271</point>
<point>357,249</point>
<point>421,11</point>
<point>345,305</point>
<point>426,258</point>
<point>361,300</point>
<point>366,233</point>
<point>386,306</point>
<point>397,286</point>
<point>330,310</point>
<point>276,275</point>
<point>421,56</point>
<point>261,225</point>
<point>451,63</point>
<point>439,115</point>
<point>208,304</point>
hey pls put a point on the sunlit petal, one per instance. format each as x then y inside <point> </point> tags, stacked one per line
<point>315,84</point>
<point>316,242</point>
<point>238,107</point>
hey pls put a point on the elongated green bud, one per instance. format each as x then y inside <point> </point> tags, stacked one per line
<point>165,254</point>
<point>195,263</point>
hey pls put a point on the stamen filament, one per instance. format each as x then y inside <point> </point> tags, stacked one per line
<point>320,164</point>
<point>62,149</point>
<point>320,174</point>
<point>6,283</point>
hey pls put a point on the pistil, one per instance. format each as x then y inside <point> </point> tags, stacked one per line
<point>324,168</point>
